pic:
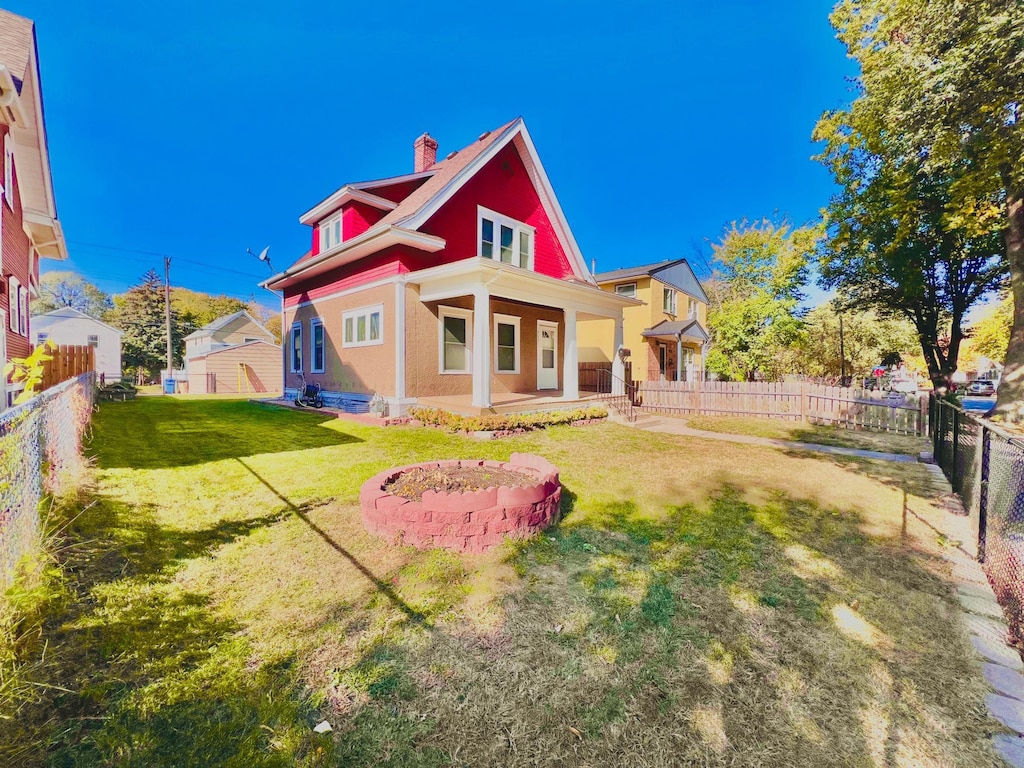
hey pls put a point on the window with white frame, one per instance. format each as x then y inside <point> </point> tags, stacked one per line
<point>14,304</point>
<point>316,345</point>
<point>296,351</point>
<point>692,309</point>
<point>668,301</point>
<point>503,239</point>
<point>506,344</point>
<point>363,327</point>
<point>330,232</point>
<point>23,316</point>
<point>626,289</point>
<point>9,170</point>
<point>93,341</point>
<point>455,341</point>
<point>41,339</point>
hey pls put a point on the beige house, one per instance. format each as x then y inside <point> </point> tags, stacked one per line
<point>666,335</point>
<point>233,354</point>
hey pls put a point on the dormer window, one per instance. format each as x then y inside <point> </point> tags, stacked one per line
<point>503,239</point>
<point>330,232</point>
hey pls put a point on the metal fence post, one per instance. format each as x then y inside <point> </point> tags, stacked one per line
<point>986,452</point>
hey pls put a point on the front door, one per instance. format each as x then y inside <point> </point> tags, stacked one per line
<point>663,362</point>
<point>547,355</point>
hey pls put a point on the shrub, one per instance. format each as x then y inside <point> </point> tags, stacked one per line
<point>453,422</point>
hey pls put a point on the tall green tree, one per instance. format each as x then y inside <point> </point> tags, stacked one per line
<point>990,334</point>
<point>760,270</point>
<point>940,90</point>
<point>139,312</point>
<point>196,309</point>
<point>69,289</point>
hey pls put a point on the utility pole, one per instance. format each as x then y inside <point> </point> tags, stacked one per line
<point>167,315</point>
<point>842,353</point>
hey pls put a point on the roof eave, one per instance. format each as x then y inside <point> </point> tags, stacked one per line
<point>344,195</point>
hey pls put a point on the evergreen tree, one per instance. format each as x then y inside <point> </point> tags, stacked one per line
<point>139,312</point>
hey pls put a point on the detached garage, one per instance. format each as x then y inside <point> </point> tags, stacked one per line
<point>254,367</point>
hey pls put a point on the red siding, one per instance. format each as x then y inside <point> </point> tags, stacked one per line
<point>392,261</point>
<point>396,193</point>
<point>315,247</point>
<point>358,217</point>
<point>16,262</point>
<point>503,186</point>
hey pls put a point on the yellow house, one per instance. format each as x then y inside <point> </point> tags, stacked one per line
<point>666,335</point>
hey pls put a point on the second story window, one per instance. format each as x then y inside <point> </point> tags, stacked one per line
<point>330,232</point>
<point>626,289</point>
<point>692,310</point>
<point>504,239</point>
<point>93,341</point>
<point>668,301</point>
<point>9,170</point>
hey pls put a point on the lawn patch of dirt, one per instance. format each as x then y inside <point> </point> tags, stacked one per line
<point>412,484</point>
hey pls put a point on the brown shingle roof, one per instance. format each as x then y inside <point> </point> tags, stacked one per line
<point>16,41</point>
<point>444,172</point>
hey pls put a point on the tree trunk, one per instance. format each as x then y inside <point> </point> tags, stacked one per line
<point>1010,398</point>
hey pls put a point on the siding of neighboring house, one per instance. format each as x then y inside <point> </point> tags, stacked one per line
<point>263,369</point>
<point>596,337</point>
<point>75,330</point>
<point>375,363</point>
<point>235,332</point>
<point>16,257</point>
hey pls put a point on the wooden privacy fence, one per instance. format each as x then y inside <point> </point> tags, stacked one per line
<point>66,363</point>
<point>591,378</point>
<point>841,406</point>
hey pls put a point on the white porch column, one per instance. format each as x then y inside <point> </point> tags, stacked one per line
<point>618,367</point>
<point>679,358</point>
<point>482,347</point>
<point>400,350</point>
<point>570,359</point>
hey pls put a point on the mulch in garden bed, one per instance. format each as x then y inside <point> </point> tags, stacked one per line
<point>412,484</point>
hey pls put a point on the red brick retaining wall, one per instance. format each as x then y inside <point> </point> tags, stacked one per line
<point>464,522</point>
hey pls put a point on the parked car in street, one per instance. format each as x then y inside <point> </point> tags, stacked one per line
<point>982,387</point>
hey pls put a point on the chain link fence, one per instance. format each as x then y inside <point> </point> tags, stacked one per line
<point>40,451</point>
<point>985,466</point>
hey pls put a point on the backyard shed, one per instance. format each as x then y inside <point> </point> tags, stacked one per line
<point>254,366</point>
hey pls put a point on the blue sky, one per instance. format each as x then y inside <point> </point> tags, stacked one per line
<point>197,130</point>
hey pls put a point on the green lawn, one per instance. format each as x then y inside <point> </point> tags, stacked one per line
<point>803,432</point>
<point>699,604</point>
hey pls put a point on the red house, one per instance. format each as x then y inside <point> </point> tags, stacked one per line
<point>459,285</point>
<point>29,229</point>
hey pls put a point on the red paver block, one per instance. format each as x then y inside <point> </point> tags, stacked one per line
<point>488,515</point>
<point>519,496</point>
<point>459,502</point>
<point>457,518</point>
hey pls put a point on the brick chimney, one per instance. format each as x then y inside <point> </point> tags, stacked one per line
<point>424,152</point>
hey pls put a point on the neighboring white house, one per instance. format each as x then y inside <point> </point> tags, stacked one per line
<point>69,326</point>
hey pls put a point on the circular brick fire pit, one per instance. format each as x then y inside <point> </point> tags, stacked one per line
<point>465,522</point>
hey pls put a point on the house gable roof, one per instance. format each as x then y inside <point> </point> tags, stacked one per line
<point>679,329</point>
<point>452,173</point>
<point>677,272</point>
<point>59,314</point>
<point>17,39</point>
<point>233,348</point>
<point>210,328</point>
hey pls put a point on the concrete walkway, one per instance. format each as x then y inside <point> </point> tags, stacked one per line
<point>678,427</point>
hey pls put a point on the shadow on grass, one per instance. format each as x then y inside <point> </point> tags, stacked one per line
<point>165,432</point>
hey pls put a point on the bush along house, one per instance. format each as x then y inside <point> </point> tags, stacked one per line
<point>29,229</point>
<point>458,286</point>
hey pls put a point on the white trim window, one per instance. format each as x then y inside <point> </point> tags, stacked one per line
<point>17,300</point>
<point>454,340</point>
<point>668,301</point>
<point>41,338</point>
<point>316,345</point>
<point>626,289</point>
<point>692,309</point>
<point>296,348</point>
<point>507,343</point>
<point>363,327</point>
<point>93,340</point>
<point>8,189</point>
<point>503,239</point>
<point>330,232</point>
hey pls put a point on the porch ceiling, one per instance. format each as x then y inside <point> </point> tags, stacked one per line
<point>467,277</point>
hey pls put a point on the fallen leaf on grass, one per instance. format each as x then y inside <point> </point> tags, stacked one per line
<point>322,727</point>
<point>576,733</point>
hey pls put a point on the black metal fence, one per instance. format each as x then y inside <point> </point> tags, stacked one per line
<point>985,466</point>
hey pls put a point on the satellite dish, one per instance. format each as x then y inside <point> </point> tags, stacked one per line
<point>264,255</point>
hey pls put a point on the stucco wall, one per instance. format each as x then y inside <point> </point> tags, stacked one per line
<point>367,370</point>
<point>423,376</point>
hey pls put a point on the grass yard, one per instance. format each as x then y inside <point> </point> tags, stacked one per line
<point>803,432</point>
<point>722,605</point>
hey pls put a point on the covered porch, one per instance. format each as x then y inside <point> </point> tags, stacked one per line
<point>672,346</point>
<point>512,333</point>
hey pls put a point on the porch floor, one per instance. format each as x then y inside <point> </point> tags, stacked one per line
<point>510,402</point>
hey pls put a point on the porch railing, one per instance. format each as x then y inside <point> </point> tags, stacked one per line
<point>619,394</point>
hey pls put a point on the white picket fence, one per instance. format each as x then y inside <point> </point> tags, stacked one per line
<point>840,406</point>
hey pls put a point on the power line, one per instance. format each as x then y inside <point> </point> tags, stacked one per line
<point>202,264</point>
